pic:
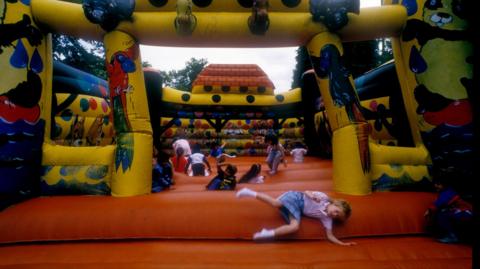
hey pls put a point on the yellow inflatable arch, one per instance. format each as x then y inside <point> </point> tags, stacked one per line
<point>123,25</point>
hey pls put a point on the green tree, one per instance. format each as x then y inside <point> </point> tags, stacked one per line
<point>146,64</point>
<point>363,56</point>
<point>182,79</point>
<point>359,57</point>
<point>86,55</point>
<point>303,64</point>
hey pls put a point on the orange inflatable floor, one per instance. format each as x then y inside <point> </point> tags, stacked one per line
<point>190,227</point>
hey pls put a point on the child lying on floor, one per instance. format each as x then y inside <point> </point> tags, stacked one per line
<point>294,204</point>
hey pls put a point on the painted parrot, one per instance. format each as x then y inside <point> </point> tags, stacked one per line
<point>121,63</point>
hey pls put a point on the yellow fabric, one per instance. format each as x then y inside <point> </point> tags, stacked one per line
<point>64,155</point>
<point>348,176</point>
<point>138,179</point>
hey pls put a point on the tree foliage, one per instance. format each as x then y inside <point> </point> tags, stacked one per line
<point>359,57</point>
<point>182,79</point>
<point>363,56</point>
<point>303,64</point>
<point>86,55</point>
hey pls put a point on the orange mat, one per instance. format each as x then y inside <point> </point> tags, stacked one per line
<point>188,227</point>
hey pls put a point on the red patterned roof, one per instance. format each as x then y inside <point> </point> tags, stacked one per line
<point>233,75</point>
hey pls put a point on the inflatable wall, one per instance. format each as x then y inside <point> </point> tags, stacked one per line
<point>436,102</point>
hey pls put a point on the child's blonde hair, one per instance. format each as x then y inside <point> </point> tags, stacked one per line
<point>345,206</point>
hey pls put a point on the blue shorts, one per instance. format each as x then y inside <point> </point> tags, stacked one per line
<point>292,204</point>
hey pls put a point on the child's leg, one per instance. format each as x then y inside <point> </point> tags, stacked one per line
<point>276,162</point>
<point>290,228</point>
<point>198,169</point>
<point>246,192</point>
<point>269,159</point>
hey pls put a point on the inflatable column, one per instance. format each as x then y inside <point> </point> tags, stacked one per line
<point>132,173</point>
<point>434,56</point>
<point>351,157</point>
<point>25,96</point>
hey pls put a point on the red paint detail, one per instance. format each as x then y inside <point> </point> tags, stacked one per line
<point>11,113</point>
<point>93,103</point>
<point>458,113</point>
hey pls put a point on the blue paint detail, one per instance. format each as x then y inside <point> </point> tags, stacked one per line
<point>416,62</point>
<point>19,58</point>
<point>84,105</point>
<point>26,140</point>
<point>36,63</point>
<point>69,170</point>
<point>97,172</point>
<point>128,66</point>
<point>411,6</point>
<point>64,187</point>
<point>20,155</point>
<point>25,2</point>
<point>46,169</point>
<point>17,179</point>
<point>124,152</point>
<point>404,182</point>
<point>452,146</point>
<point>66,115</point>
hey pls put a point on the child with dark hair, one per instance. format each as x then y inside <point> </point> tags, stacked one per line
<point>298,153</point>
<point>218,151</point>
<point>225,179</point>
<point>179,160</point>
<point>253,175</point>
<point>276,153</point>
<point>198,161</point>
<point>449,214</point>
<point>162,176</point>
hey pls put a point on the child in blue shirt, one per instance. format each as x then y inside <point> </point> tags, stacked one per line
<point>162,175</point>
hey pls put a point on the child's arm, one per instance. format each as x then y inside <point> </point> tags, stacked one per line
<point>331,237</point>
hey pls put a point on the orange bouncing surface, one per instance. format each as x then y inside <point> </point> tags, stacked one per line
<point>189,227</point>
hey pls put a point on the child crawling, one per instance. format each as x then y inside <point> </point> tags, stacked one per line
<point>294,204</point>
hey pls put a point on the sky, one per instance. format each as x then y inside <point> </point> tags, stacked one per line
<point>277,63</point>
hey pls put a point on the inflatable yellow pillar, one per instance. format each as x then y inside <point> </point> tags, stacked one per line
<point>25,83</point>
<point>132,173</point>
<point>351,159</point>
<point>434,61</point>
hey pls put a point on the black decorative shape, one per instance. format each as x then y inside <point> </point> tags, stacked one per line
<point>250,99</point>
<point>108,14</point>
<point>185,97</point>
<point>280,98</point>
<point>11,32</point>
<point>26,93</point>
<point>291,3</point>
<point>225,88</point>
<point>246,3</point>
<point>216,98</point>
<point>259,22</point>
<point>158,3</point>
<point>333,13</point>
<point>207,88</point>
<point>243,89</point>
<point>261,89</point>
<point>202,3</point>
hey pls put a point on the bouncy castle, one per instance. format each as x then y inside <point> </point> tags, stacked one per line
<point>76,151</point>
